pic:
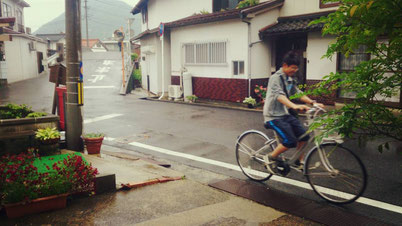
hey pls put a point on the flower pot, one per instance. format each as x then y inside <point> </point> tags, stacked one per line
<point>93,145</point>
<point>19,209</point>
<point>49,147</point>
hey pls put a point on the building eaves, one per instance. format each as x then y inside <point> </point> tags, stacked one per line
<point>51,37</point>
<point>137,8</point>
<point>293,24</point>
<point>7,20</point>
<point>145,33</point>
<point>225,15</point>
<point>19,34</point>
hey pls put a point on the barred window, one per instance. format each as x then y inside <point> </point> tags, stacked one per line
<point>205,53</point>
<point>354,59</point>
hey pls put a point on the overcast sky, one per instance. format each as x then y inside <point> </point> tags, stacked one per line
<point>43,11</point>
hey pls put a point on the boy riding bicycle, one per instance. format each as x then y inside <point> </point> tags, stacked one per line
<point>278,110</point>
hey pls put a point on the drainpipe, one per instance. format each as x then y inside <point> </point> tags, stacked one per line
<point>243,19</point>
<point>163,67</point>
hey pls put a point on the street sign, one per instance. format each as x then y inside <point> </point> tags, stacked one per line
<point>161,29</point>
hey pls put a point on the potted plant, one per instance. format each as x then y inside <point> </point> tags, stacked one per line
<point>24,190</point>
<point>93,142</point>
<point>250,102</point>
<point>48,139</point>
<point>192,98</point>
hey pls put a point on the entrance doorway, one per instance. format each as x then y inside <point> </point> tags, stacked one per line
<point>296,43</point>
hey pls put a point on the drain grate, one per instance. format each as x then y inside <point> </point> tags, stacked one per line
<point>294,205</point>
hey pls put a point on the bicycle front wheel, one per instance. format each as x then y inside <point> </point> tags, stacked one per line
<point>335,173</point>
<point>251,146</point>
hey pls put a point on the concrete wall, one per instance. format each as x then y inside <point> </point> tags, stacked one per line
<point>234,32</point>
<point>21,62</point>
<point>150,50</point>
<point>171,10</point>
<point>316,47</point>
<point>299,7</point>
<point>261,53</point>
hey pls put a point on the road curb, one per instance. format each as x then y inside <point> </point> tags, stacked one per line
<point>203,105</point>
<point>149,182</point>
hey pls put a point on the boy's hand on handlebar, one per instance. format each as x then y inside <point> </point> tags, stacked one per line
<point>301,107</point>
<point>318,105</point>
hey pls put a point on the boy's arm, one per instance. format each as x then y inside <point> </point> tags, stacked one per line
<point>285,101</point>
<point>307,100</point>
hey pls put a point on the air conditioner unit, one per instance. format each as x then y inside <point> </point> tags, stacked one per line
<point>174,92</point>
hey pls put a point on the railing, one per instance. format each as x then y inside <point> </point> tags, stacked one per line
<point>21,28</point>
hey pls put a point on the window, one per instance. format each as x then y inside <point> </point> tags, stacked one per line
<point>7,10</point>
<point>346,64</point>
<point>238,67</point>
<point>328,4</point>
<point>354,59</point>
<point>205,53</point>
<point>218,5</point>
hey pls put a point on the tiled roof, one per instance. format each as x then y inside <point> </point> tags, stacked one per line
<point>294,24</point>
<point>92,42</point>
<point>52,37</point>
<point>19,34</point>
<point>213,17</point>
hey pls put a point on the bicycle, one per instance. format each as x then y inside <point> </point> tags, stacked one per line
<point>334,172</point>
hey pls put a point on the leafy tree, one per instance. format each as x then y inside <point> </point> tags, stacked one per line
<point>377,25</point>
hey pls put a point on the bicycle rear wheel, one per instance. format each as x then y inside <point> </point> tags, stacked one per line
<point>335,173</point>
<point>251,146</point>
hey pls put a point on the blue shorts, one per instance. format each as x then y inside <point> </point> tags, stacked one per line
<point>289,129</point>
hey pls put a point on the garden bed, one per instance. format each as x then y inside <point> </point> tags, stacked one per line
<point>17,134</point>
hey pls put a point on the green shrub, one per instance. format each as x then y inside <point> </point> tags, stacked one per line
<point>47,134</point>
<point>247,3</point>
<point>134,56</point>
<point>137,75</point>
<point>11,111</point>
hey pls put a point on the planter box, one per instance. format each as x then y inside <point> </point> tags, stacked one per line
<point>20,209</point>
<point>16,135</point>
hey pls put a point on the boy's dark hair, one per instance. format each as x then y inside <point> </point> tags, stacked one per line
<point>291,58</point>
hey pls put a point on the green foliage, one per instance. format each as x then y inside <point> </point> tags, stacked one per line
<point>376,25</point>
<point>36,114</point>
<point>192,98</point>
<point>47,134</point>
<point>249,100</point>
<point>93,135</point>
<point>11,111</point>
<point>247,3</point>
<point>137,75</point>
<point>134,56</point>
<point>204,12</point>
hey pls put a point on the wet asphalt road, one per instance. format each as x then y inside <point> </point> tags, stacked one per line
<point>201,131</point>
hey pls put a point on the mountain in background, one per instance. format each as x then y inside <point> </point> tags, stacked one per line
<point>104,17</point>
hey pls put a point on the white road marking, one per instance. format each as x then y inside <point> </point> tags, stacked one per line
<point>363,200</point>
<point>103,69</point>
<point>105,117</point>
<point>99,87</point>
<point>107,62</point>
<point>96,78</point>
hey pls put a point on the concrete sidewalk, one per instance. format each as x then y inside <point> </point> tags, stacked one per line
<point>180,202</point>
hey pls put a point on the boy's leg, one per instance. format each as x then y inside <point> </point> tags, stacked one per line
<point>278,150</point>
<point>285,131</point>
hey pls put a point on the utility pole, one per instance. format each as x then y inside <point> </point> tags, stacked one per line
<point>74,119</point>
<point>86,21</point>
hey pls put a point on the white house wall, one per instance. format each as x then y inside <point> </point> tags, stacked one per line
<point>317,46</point>
<point>234,32</point>
<point>299,7</point>
<point>261,52</point>
<point>21,62</point>
<point>171,10</point>
<point>150,49</point>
